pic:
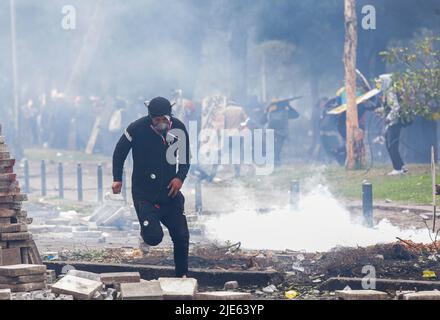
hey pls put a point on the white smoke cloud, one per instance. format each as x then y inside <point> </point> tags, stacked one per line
<point>320,224</point>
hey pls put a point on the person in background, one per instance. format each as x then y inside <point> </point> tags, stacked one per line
<point>390,111</point>
<point>277,117</point>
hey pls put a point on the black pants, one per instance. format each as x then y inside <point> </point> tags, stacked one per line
<point>392,138</point>
<point>278,147</point>
<point>173,217</point>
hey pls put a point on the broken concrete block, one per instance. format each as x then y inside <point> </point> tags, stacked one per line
<point>149,290</point>
<point>84,275</point>
<point>223,295</point>
<point>178,288</point>
<point>231,285</point>
<point>120,277</point>
<point>361,295</point>
<point>422,295</point>
<point>5,294</point>
<point>79,288</point>
<point>22,270</point>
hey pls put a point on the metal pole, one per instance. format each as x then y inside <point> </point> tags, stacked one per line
<point>100,184</point>
<point>27,188</point>
<point>294,193</point>
<point>198,189</point>
<point>17,133</point>
<point>79,181</point>
<point>367,203</point>
<point>43,178</point>
<point>60,181</point>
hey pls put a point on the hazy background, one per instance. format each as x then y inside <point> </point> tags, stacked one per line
<point>143,48</point>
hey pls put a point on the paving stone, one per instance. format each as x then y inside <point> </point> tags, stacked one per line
<point>223,295</point>
<point>178,288</point>
<point>10,256</point>
<point>15,236</point>
<point>24,287</point>
<point>14,227</point>
<point>7,213</point>
<point>79,288</point>
<point>22,270</point>
<point>5,294</point>
<point>5,221</point>
<point>361,295</point>
<point>85,275</point>
<point>23,279</point>
<point>422,295</point>
<point>149,290</point>
<point>120,277</point>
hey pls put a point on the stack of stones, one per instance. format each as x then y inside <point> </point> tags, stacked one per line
<point>16,245</point>
<point>23,277</point>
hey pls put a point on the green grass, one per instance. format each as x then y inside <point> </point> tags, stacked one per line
<point>413,188</point>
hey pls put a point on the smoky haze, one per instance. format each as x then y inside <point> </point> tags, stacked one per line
<point>139,49</point>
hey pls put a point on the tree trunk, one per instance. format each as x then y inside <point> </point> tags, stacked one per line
<point>355,145</point>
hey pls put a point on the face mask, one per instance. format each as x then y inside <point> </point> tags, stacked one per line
<point>162,127</point>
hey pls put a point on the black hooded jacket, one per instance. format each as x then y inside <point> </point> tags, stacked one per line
<point>152,172</point>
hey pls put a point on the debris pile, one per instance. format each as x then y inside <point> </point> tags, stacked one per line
<point>83,285</point>
<point>16,244</point>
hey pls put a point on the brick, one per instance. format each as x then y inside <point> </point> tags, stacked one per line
<point>223,295</point>
<point>361,295</point>
<point>120,277</point>
<point>79,288</point>
<point>6,169</point>
<point>15,236</point>
<point>23,279</point>
<point>4,155</point>
<point>7,213</point>
<point>11,256</point>
<point>148,290</point>
<point>84,275</point>
<point>25,287</point>
<point>178,288</point>
<point>7,163</point>
<point>22,270</point>
<point>15,227</point>
<point>20,244</point>
<point>20,197</point>
<point>5,221</point>
<point>422,295</point>
<point>10,205</point>
<point>5,294</point>
<point>8,177</point>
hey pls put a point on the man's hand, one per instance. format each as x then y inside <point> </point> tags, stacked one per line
<point>116,187</point>
<point>174,186</point>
